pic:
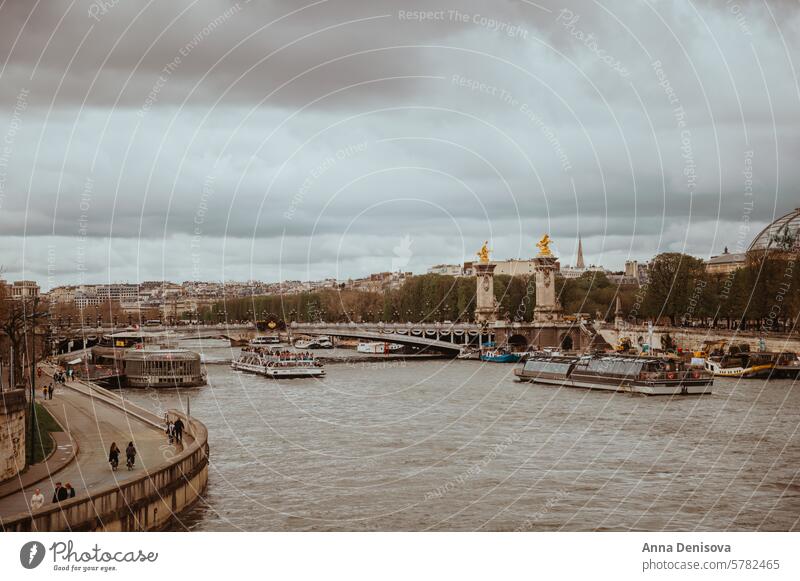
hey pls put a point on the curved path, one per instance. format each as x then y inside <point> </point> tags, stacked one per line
<point>94,422</point>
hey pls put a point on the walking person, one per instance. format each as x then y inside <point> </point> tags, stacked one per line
<point>60,493</point>
<point>130,454</point>
<point>113,456</point>
<point>37,500</point>
<point>170,431</point>
<point>50,391</point>
<point>178,425</point>
<point>70,490</point>
<point>44,391</point>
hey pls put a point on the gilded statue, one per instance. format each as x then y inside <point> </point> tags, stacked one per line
<point>544,246</point>
<point>483,253</point>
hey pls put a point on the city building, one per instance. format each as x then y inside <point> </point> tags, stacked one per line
<point>21,289</point>
<point>446,269</point>
<point>511,267</point>
<point>726,262</point>
<point>636,271</point>
<point>580,267</point>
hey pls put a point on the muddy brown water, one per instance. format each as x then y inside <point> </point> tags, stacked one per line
<point>460,445</point>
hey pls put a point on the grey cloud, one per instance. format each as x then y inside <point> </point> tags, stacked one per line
<point>224,159</point>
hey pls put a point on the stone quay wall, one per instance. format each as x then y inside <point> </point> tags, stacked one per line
<point>693,338</point>
<point>12,432</point>
<point>150,502</point>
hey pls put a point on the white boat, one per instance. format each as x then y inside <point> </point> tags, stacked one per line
<point>378,347</point>
<point>264,340</point>
<point>318,343</point>
<point>277,363</point>
<point>469,353</point>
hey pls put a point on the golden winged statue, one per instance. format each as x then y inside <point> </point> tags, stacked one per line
<point>483,253</point>
<point>544,246</point>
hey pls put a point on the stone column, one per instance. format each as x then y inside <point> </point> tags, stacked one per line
<point>618,320</point>
<point>485,304</point>
<point>13,406</point>
<point>547,307</point>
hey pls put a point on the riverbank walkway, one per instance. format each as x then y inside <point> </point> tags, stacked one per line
<point>92,418</point>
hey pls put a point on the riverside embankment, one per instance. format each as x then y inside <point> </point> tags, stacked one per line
<point>166,480</point>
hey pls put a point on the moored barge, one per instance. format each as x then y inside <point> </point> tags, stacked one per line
<point>644,375</point>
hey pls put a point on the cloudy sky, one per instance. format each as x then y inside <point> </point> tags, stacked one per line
<point>219,140</point>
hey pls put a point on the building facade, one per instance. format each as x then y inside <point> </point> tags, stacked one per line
<point>725,263</point>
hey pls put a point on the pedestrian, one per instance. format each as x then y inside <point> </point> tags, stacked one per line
<point>113,456</point>
<point>50,391</point>
<point>130,454</point>
<point>44,391</point>
<point>170,431</point>
<point>178,430</point>
<point>37,500</point>
<point>70,490</point>
<point>60,493</point>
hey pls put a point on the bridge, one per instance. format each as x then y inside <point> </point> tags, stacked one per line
<point>444,337</point>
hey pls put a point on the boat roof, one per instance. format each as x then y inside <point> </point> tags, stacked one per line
<point>163,354</point>
<point>603,357</point>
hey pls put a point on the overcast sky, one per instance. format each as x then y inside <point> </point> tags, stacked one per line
<point>219,140</point>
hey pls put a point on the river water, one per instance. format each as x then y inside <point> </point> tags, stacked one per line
<point>459,445</point>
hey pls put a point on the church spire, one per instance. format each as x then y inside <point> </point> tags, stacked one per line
<point>579,263</point>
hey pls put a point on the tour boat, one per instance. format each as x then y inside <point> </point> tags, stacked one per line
<point>743,364</point>
<point>277,363</point>
<point>264,340</point>
<point>500,356</point>
<point>378,347</point>
<point>644,375</point>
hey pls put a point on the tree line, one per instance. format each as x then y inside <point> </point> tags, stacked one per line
<point>762,295</point>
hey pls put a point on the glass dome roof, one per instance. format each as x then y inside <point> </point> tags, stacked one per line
<point>782,234</point>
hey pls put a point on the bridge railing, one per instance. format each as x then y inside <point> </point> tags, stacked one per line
<point>389,327</point>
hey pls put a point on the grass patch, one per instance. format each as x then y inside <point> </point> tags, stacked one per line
<point>44,444</point>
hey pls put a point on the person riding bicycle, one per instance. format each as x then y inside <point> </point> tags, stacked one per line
<point>113,456</point>
<point>130,453</point>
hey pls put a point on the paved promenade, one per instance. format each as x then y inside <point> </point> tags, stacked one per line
<point>93,422</point>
